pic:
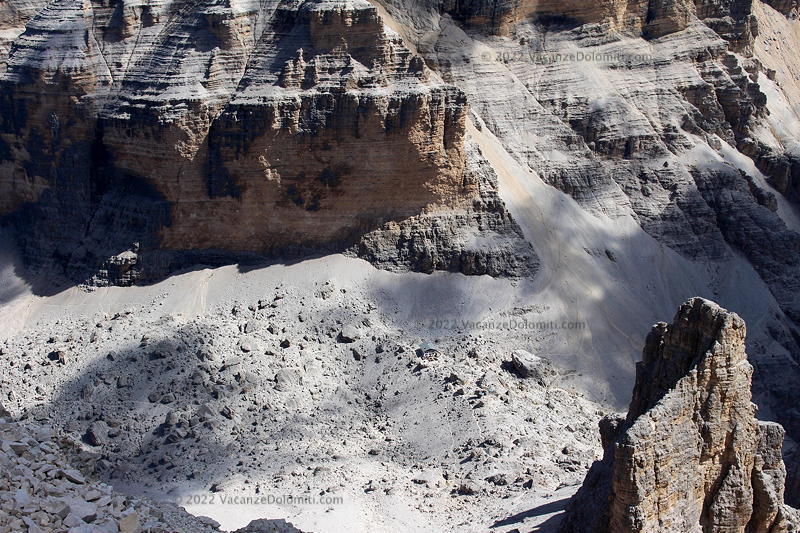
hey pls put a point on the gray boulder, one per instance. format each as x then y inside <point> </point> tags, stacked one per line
<point>530,366</point>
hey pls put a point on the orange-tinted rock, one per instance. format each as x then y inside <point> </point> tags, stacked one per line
<point>691,455</point>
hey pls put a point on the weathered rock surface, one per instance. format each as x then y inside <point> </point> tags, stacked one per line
<point>476,240</point>
<point>690,455</point>
<point>652,155</point>
<point>649,18</point>
<point>131,133</point>
<point>692,131</point>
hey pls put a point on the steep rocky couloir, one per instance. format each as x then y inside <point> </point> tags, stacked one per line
<point>690,455</point>
<point>137,138</point>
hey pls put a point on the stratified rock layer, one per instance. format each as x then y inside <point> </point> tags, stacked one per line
<point>649,18</point>
<point>230,130</point>
<point>687,133</point>
<point>691,455</point>
<point>480,239</point>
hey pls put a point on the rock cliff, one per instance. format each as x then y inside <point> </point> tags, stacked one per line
<point>652,151</point>
<point>138,138</point>
<point>649,18</point>
<point>447,241</point>
<point>690,455</point>
<point>132,133</point>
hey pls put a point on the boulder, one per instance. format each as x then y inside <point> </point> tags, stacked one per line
<point>96,434</point>
<point>349,334</point>
<point>530,366</point>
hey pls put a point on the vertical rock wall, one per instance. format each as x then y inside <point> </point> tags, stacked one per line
<point>134,132</point>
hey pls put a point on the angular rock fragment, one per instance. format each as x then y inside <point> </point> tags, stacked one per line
<point>40,492</point>
<point>96,434</point>
<point>349,334</point>
<point>528,365</point>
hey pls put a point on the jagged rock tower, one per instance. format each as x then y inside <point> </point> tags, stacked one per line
<point>691,455</point>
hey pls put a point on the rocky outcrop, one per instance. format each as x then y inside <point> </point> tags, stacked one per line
<point>274,167</point>
<point>480,239</point>
<point>656,155</point>
<point>500,16</point>
<point>269,526</point>
<point>690,455</point>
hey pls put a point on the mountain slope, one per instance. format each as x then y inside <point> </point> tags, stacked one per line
<point>602,161</point>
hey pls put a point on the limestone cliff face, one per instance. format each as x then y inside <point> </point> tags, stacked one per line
<point>647,143</point>
<point>500,16</point>
<point>728,100</point>
<point>445,240</point>
<point>14,14</point>
<point>134,131</point>
<point>690,455</point>
<point>650,18</point>
<point>324,83</point>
